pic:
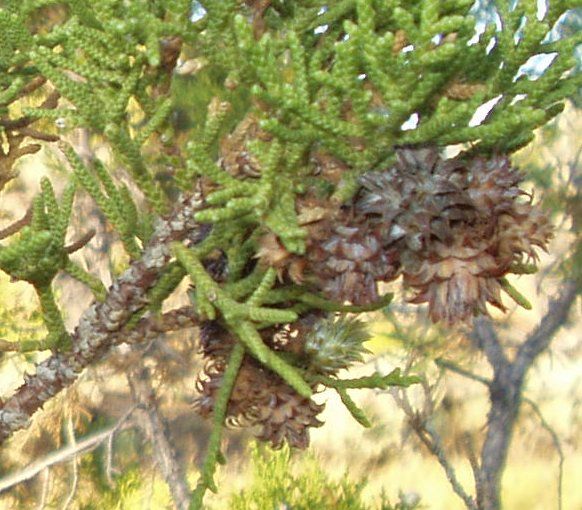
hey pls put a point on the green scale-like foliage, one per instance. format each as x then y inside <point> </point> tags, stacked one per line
<point>100,57</point>
<point>304,82</point>
<point>39,253</point>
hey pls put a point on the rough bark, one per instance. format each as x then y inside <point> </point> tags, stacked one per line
<point>99,327</point>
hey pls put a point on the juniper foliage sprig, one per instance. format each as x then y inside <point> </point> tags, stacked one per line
<point>386,62</point>
<point>106,68</point>
<point>213,454</point>
<point>39,253</point>
<point>104,61</point>
<point>118,208</point>
<point>242,318</point>
<point>377,381</point>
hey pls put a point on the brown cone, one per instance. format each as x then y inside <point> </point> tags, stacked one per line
<point>457,225</point>
<point>456,281</point>
<point>349,259</point>
<point>259,397</point>
<point>452,228</point>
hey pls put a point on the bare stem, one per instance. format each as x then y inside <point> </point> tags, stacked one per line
<point>557,445</point>
<point>429,437</point>
<point>64,454</point>
<point>158,433</point>
<point>74,465</point>
<point>506,388</point>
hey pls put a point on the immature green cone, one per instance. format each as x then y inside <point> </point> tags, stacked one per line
<point>334,344</point>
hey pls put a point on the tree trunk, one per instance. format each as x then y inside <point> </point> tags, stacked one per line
<point>505,392</point>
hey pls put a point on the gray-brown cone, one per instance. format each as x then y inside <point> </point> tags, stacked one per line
<point>457,225</point>
<point>452,228</point>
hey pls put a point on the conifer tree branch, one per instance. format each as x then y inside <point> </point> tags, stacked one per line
<point>330,92</point>
<point>148,328</point>
<point>99,327</point>
<point>214,455</point>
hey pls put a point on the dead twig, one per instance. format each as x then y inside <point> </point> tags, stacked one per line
<point>81,242</point>
<point>157,432</point>
<point>74,465</point>
<point>505,394</point>
<point>46,478</point>
<point>420,425</point>
<point>557,445</point>
<point>17,225</point>
<point>64,454</point>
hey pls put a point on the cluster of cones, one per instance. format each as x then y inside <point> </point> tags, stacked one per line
<point>260,397</point>
<point>450,228</point>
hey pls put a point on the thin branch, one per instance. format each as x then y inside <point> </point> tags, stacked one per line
<point>64,454</point>
<point>99,326</point>
<point>8,346</point>
<point>17,225</point>
<point>436,448</point>
<point>79,243</point>
<point>158,433</point>
<point>453,367</point>
<point>557,445</point>
<point>74,465</point>
<point>39,135</point>
<point>486,340</point>
<point>473,459</point>
<point>109,460</point>
<point>32,85</point>
<point>149,328</point>
<point>50,103</point>
<point>539,340</point>
<point>429,437</point>
<point>46,478</point>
